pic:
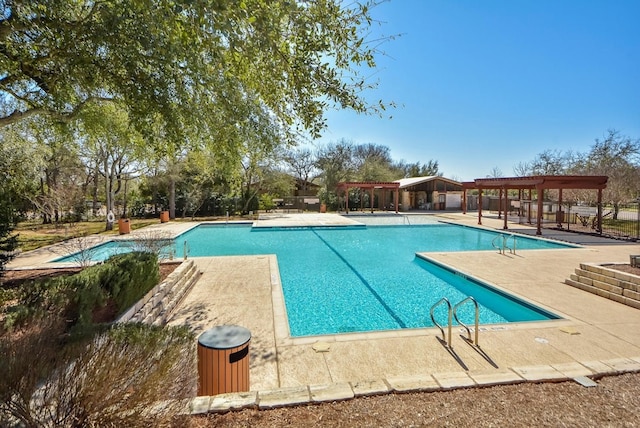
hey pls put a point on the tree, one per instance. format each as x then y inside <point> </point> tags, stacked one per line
<point>418,170</point>
<point>63,179</point>
<point>302,165</point>
<point>113,147</point>
<point>20,163</point>
<point>551,162</point>
<point>495,173</point>
<point>169,58</point>
<point>616,156</point>
<point>336,164</point>
<point>8,241</point>
<point>373,162</point>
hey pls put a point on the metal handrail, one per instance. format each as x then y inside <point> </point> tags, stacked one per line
<point>186,250</point>
<point>438,303</point>
<point>477,320</point>
<point>504,247</point>
<point>513,250</point>
<point>493,244</point>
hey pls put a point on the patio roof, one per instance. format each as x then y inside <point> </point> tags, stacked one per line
<point>538,183</point>
<point>414,181</point>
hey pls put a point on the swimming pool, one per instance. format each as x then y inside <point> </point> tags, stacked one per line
<point>354,279</point>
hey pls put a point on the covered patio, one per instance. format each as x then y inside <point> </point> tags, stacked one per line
<point>371,186</point>
<point>538,183</point>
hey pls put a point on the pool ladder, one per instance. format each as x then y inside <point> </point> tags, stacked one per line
<point>186,250</point>
<point>503,246</point>
<point>452,313</point>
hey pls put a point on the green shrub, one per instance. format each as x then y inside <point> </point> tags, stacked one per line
<point>123,279</point>
<point>129,277</point>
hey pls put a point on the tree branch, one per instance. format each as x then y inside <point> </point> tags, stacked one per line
<point>18,115</point>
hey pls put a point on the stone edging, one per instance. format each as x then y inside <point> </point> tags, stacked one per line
<point>315,394</point>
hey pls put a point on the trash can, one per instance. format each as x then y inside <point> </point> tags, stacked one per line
<point>223,360</point>
<point>164,216</point>
<point>124,226</point>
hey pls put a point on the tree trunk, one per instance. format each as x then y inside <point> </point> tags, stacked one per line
<point>108,185</point>
<point>94,204</point>
<point>172,198</point>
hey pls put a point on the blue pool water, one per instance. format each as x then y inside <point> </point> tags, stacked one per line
<point>348,279</point>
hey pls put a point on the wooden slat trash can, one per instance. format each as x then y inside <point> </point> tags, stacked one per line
<point>223,360</point>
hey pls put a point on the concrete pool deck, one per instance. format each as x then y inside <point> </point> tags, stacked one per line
<point>595,337</point>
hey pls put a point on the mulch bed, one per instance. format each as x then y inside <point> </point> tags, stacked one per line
<point>613,403</point>
<point>624,268</point>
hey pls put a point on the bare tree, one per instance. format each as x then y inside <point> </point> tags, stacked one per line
<point>80,250</point>
<point>302,164</point>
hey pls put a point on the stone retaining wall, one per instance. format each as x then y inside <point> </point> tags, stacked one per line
<point>158,304</point>
<point>609,283</point>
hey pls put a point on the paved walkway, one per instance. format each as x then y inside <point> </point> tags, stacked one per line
<point>597,336</point>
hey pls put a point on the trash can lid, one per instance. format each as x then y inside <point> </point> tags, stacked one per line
<point>225,337</point>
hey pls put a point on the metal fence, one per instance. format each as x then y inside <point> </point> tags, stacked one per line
<point>623,223</point>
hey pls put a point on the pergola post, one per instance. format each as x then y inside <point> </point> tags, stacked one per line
<point>464,201</point>
<point>396,198</point>
<point>372,199</point>
<point>506,200</point>
<point>599,226</point>
<point>560,213</point>
<point>500,203</point>
<point>539,193</point>
<point>346,199</point>
<point>480,205</point>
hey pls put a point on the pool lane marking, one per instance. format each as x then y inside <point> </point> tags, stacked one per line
<point>365,282</point>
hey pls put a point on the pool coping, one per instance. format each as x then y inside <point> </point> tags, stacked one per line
<point>445,381</point>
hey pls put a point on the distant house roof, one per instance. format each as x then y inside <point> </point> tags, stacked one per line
<point>413,181</point>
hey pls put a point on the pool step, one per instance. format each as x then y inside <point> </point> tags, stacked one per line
<point>159,303</point>
<point>608,283</point>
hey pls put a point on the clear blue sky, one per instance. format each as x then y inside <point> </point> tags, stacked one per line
<point>488,84</point>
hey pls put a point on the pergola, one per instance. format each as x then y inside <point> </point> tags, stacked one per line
<point>538,183</point>
<point>372,186</point>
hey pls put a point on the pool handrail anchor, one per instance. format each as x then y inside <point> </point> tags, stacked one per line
<point>444,300</point>
<point>477,319</point>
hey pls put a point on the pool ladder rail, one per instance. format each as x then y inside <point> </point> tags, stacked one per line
<point>452,313</point>
<point>186,250</point>
<point>503,246</point>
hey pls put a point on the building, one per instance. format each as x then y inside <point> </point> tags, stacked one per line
<point>430,193</point>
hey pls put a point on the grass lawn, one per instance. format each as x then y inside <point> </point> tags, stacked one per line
<point>32,235</point>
